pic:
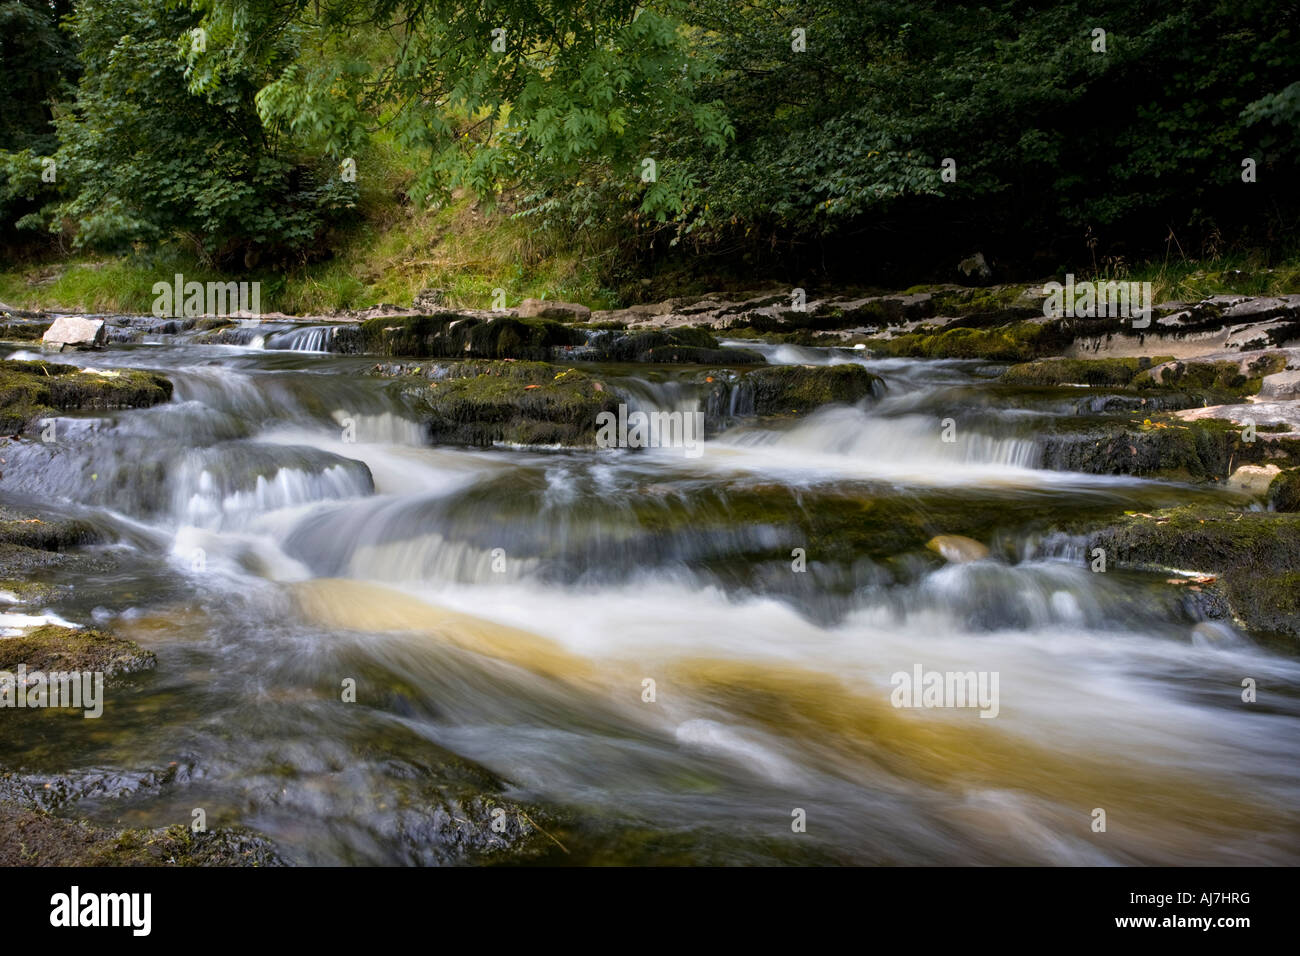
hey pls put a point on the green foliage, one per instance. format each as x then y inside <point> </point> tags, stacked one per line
<point>144,157</point>
<point>1048,135</point>
<point>814,129</point>
<point>548,94</point>
<point>37,62</point>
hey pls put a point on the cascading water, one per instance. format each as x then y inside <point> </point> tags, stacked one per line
<point>304,339</point>
<point>501,612</point>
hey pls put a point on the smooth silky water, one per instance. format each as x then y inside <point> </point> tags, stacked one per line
<point>501,609</point>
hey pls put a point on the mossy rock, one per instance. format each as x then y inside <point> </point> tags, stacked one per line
<point>57,534</point>
<point>1256,554</point>
<point>1092,372</point>
<point>27,593</point>
<point>1268,604</point>
<point>1227,377</point>
<point>824,318</point>
<point>451,335</point>
<point>1004,302</point>
<point>1284,492</point>
<point>1163,447</point>
<point>685,345</point>
<point>23,331</point>
<point>38,838</point>
<point>526,403</point>
<point>54,648</point>
<point>1015,342</point>
<point>28,544</point>
<point>798,389</point>
<point>1204,539</point>
<point>30,391</point>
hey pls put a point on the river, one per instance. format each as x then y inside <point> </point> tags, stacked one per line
<point>672,657</point>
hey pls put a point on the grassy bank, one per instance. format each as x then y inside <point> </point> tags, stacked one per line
<point>393,251</point>
<point>389,256</point>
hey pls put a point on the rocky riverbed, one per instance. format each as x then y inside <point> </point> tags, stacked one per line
<point>372,588</point>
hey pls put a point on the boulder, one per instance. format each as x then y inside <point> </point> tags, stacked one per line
<point>72,332</point>
<point>1253,479</point>
<point>563,311</point>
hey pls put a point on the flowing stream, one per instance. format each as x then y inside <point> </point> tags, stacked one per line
<point>281,527</point>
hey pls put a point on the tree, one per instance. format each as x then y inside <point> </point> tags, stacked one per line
<point>494,94</point>
<point>144,156</point>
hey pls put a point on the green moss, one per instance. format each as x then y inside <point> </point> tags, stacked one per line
<point>29,592</point>
<point>1017,342</point>
<point>1224,380</point>
<point>1257,555</point>
<point>1163,446</point>
<point>54,648</point>
<point>1224,376</point>
<point>23,331</point>
<point>1284,492</point>
<point>989,300</point>
<point>1268,604</point>
<point>798,389</point>
<point>481,403</point>
<point>30,391</point>
<point>25,531</point>
<point>1093,372</point>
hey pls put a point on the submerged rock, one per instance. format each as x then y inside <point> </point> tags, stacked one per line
<point>54,648</point>
<point>39,838</point>
<point>957,549</point>
<point>1253,479</point>
<point>29,544</point>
